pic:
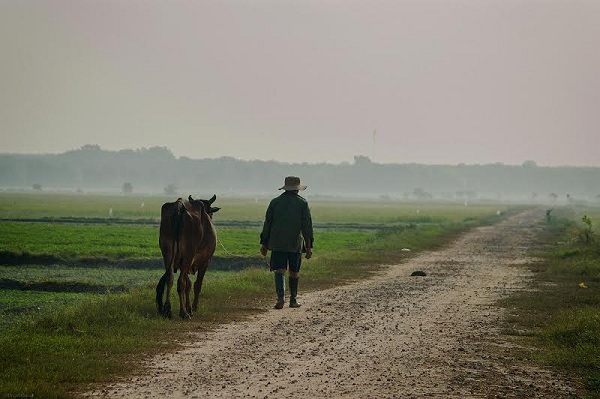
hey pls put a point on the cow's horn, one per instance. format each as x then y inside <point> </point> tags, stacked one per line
<point>190,198</point>
<point>214,197</point>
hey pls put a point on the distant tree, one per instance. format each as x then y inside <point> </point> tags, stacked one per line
<point>91,147</point>
<point>170,189</point>
<point>127,188</point>
<point>554,196</point>
<point>421,194</point>
<point>156,153</point>
<point>529,164</point>
<point>37,187</point>
<point>362,160</point>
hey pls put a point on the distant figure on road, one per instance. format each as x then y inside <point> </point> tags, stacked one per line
<point>287,232</point>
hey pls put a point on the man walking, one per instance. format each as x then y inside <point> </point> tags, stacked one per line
<point>287,232</point>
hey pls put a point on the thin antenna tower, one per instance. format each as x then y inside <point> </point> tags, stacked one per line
<point>373,145</point>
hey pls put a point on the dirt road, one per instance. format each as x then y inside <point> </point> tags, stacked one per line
<point>392,336</point>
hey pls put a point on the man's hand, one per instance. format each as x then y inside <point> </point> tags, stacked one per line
<point>308,253</point>
<point>263,250</point>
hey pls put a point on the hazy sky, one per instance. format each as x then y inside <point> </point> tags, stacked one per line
<point>446,82</point>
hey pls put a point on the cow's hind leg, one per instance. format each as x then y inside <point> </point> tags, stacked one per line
<point>181,289</point>
<point>160,291</point>
<point>188,288</point>
<point>198,287</point>
<point>166,308</point>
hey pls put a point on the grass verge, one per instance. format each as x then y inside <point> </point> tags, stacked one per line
<point>560,318</point>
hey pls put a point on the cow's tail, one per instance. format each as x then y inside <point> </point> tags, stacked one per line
<point>177,223</point>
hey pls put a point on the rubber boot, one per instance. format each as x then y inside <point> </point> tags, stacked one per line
<point>293,282</point>
<point>280,289</point>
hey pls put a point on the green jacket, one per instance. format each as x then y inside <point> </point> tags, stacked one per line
<point>288,224</point>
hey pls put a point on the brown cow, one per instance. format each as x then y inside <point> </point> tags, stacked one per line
<point>187,240</point>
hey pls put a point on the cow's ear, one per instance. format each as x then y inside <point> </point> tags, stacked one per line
<point>214,210</point>
<point>214,197</point>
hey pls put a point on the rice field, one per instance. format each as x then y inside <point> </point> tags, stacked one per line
<point>57,248</point>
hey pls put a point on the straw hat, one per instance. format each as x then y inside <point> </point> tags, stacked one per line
<point>292,183</point>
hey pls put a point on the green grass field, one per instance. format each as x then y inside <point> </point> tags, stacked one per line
<point>56,205</point>
<point>56,342</point>
<point>81,241</point>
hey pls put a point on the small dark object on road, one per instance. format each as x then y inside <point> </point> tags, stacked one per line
<point>418,273</point>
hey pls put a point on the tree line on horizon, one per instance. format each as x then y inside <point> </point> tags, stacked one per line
<point>157,170</point>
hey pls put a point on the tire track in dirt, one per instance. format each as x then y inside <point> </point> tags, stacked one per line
<point>392,336</point>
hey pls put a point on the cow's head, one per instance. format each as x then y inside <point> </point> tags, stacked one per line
<point>206,205</point>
